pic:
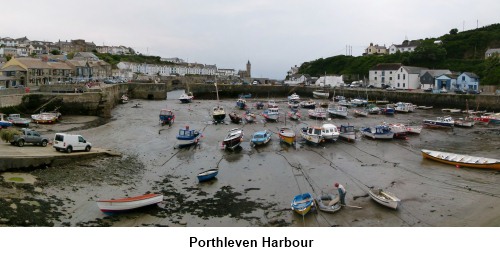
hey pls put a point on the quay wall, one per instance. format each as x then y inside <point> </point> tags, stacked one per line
<point>489,102</point>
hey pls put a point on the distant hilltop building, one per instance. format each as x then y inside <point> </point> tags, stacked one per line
<point>77,45</point>
<point>375,49</point>
<point>246,74</point>
<point>172,60</point>
<point>117,50</point>
<point>491,52</point>
<point>406,46</point>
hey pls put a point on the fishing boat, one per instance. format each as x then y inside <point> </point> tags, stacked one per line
<point>272,104</point>
<point>308,104</point>
<point>4,123</point>
<point>344,103</point>
<point>451,110</point>
<point>44,118</point>
<point>423,107</point>
<point>399,130</point>
<point>302,203</point>
<point>347,132</point>
<point>261,137</point>
<point>187,137</point>
<point>16,120</point>
<point>233,138</point>
<point>124,99</point>
<point>360,113</point>
<point>321,94</point>
<point>287,135</point>
<point>328,203</point>
<point>413,129</point>
<point>207,175</point>
<point>293,104</point>
<point>235,118</point>
<point>294,97</point>
<point>358,102</point>
<point>249,117</point>
<point>294,115</point>
<point>372,109</point>
<point>186,98</point>
<point>462,159</point>
<point>128,203</point>
<point>312,134</point>
<point>330,132</point>
<point>167,117</point>
<point>492,118</point>
<point>404,107</point>
<point>466,122</point>
<point>317,113</point>
<point>338,111</point>
<point>388,110</point>
<point>241,103</point>
<point>385,198</point>
<point>338,98</point>
<point>259,105</point>
<point>218,114</point>
<point>271,114</point>
<point>440,122</point>
<point>378,132</point>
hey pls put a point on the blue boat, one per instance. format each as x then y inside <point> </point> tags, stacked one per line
<point>187,137</point>
<point>249,95</point>
<point>167,117</point>
<point>261,137</point>
<point>241,103</point>
<point>4,123</point>
<point>302,203</point>
<point>378,132</point>
<point>388,110</point>
<point>207,175</point>
<point>259,105</point>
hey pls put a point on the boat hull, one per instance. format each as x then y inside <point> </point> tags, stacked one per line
<point>207,175</point>
<point>328,203</point>
<point>385,198</point>
<point>125,204</point>
<point>479,163</point>
<point>302,204</point>
<point>287,136</point>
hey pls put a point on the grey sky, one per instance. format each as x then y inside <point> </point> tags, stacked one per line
<point>273,35</point>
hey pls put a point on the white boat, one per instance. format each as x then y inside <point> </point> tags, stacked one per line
<point>233,138</point>
<point>413,129</point>
<point>330,132</point>
<point>385,198</point>
<point>312,134</point>
<point>466,122</point>
<point>317,113</point>
<point>404,107</point>
<point>347,132</point>
<point>338,111</point>
<point>358,102</point>
<point>398,129</point>
<point>186,98</point>
<point>378,132</point>
<point>309,104</point>
<point>124,99</point>
<point>187,137</point>
<point>271,114</point>
<point>272,104</point>
<point>218,114</point>
<point>321,94</point>
<point>360,113</point>
<point>440,122</point>
<point>124,204</point>
<point>451,110</point>
<point>344,103</point>
<point>294,97</point>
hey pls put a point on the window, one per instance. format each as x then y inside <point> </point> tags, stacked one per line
<point>398,84</point>
<point>383,73</point>
<point>390,78</point>
<point>404,76</point>
<point>375,78</point>
<point>404,85</point>
<point>399,76</point>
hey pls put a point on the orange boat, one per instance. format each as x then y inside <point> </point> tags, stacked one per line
<point>462,160</point>
<point>287,135</point>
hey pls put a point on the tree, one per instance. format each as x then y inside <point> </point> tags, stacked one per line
<point>55,52</point>
<point>453,31</point>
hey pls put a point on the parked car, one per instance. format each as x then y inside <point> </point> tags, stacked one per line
<point>70,143</point>
<point>474,92</point>
<point>443,91</point>
<point>428,89</point>
<point>29,136</point>
<point>391,89</point>
<point>460,91</point>
<point>370,86</point>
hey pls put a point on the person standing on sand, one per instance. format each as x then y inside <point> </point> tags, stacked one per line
<point>342,193</point>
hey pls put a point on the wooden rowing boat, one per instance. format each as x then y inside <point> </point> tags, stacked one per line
<point>207,175</point>
<point>385,198</point>
<point>462,159</point>
<point>128,203</point>
<point>302,203</point>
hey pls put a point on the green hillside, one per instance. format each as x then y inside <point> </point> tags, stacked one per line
<point>459,51</point>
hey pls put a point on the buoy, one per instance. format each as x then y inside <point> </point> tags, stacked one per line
<point>458,166</point>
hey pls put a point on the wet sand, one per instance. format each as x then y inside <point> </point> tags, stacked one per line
<point>255,185</point>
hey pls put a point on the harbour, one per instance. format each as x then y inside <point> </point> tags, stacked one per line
<point>254,186</point>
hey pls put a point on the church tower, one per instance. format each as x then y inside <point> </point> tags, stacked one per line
<point>249,69</point>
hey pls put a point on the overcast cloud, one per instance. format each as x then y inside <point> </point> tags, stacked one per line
<point>273,35</point>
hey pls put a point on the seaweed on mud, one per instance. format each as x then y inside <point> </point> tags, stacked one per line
<point>28,212</point>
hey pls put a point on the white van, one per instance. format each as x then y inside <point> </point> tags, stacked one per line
<point>69,143</point>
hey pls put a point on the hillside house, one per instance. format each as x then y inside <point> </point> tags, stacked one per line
<point>467,81</point>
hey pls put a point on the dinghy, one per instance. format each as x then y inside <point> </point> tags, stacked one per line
<point>385,198</point>
<point>128,203</point>
<point>302,203</point>
<point>207,175</point>
<point>328,203</point>
<point>462,159</point>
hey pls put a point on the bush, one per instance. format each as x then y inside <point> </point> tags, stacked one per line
<point>8,134</point>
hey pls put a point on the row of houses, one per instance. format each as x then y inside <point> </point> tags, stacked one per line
<point>409,78</point>
<point>23,47</point>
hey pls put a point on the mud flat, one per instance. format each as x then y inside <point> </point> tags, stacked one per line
<point>255,185</point>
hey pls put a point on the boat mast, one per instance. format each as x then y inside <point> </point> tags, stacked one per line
<point>216,90</point>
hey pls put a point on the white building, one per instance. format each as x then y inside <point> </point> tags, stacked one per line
<point>330,81</point>
<point>406,46</point>
<point>383,74</point>
<point>407,77</point>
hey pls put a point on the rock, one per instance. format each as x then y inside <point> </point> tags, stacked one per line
<point>183,222</point>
